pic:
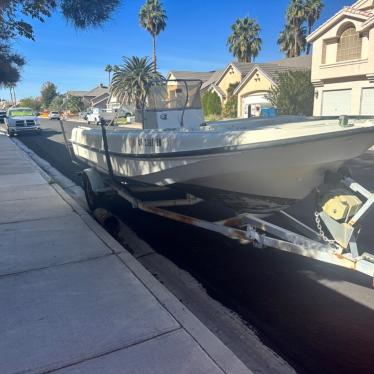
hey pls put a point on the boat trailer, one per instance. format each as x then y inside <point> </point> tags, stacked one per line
<point>339,247</point>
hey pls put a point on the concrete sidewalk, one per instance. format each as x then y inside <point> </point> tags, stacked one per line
<point>74,301</point>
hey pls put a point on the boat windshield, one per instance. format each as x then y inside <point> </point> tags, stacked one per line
<point>173,95</point>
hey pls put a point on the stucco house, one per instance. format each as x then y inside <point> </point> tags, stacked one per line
<point>253,81</point>
<point>343,62</point>
<point>252,91</point>
<point>95,98</point>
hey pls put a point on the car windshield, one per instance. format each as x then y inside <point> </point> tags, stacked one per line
<point>22,112</point>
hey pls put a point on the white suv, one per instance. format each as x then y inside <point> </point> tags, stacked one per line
<point>54,115</point>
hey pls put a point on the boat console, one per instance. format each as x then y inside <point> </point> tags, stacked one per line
<point>172,104</point>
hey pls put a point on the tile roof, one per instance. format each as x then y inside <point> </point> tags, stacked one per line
<point>97,91</point>
<point>212,80</point>
<point>219,90</point>
<point>243,67</point>
<point>100,98</point>
<point>203,76</point>
<point>77,93</point>
<point>273,70</point>
<point>304,62</point>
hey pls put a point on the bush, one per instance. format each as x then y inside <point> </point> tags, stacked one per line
<point>57,103</point>
<point>211,104</point>
<point>294,93</point>
<point>230,109</point>
<point>75,104</point>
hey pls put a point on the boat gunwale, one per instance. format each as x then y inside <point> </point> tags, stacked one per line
<point>235,148</point>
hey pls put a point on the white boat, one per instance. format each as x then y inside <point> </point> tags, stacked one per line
<point>253,165</point>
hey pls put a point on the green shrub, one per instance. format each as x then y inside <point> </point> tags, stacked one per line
<point>230,109</point>
<point>211,104</point>
<point>293,94</point>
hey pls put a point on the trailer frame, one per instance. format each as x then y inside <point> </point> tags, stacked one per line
<point>340,248</point>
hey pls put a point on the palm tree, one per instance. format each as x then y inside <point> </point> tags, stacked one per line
<point>313,9</point>
<point>292,45</point>
<point>109,69</point>
<point>295,16</point>
<point>292,38</point>
<point>129,83</point>
<point>152,17</point>
<point>244,42</point>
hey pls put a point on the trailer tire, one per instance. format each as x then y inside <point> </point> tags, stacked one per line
<point>94,200</point>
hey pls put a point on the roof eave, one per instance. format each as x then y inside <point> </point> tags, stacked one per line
<point>247,77</point>
<point>332,21</point>
<point>225,71</point>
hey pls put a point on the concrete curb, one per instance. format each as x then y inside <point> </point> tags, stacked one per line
<point>219,353</point>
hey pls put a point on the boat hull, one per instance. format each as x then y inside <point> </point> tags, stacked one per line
<point>261,178</point>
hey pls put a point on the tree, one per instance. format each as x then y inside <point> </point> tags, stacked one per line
<point>152,17</point>
<point>312,13</point>
<point>109,69</point>
<point>31,102</point>
<point>75,104</point>
<point>295,16</point>
<point>48,93</point>
<point>211,104</point>
<point>10,65</point>
<point>244,42</point>
<point>14,15</point>
<point>292,40</point>
<point>57,103</point>
<point>293,93</point>
<point>230,109</point>
<point>129,83</point>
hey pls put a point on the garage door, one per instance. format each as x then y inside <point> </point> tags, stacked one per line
<point>367,102</point>
<point>336,103</point>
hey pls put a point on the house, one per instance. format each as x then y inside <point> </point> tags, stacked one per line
<point>253,89</point>
<point>233,74</point>
<point>251,82</point>
<point>343,62</point>
<point>95,98</point>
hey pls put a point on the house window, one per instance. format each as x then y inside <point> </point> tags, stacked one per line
<point>349,45</point>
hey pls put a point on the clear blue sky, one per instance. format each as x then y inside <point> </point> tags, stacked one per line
<point>195,39</point>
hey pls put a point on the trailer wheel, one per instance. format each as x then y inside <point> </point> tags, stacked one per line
<point>94,200</point>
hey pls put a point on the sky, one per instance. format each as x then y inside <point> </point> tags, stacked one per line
<point>194,39</point>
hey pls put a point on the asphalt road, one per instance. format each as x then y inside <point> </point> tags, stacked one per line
<point>319,317</point>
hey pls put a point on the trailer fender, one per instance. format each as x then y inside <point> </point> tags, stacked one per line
<point>97,182</point>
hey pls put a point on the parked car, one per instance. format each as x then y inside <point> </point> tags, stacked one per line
<point>54,115</point>
<point>96,115</point>
<point>2,116</point>
<point>84,114</point>
<point>21,120</point>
